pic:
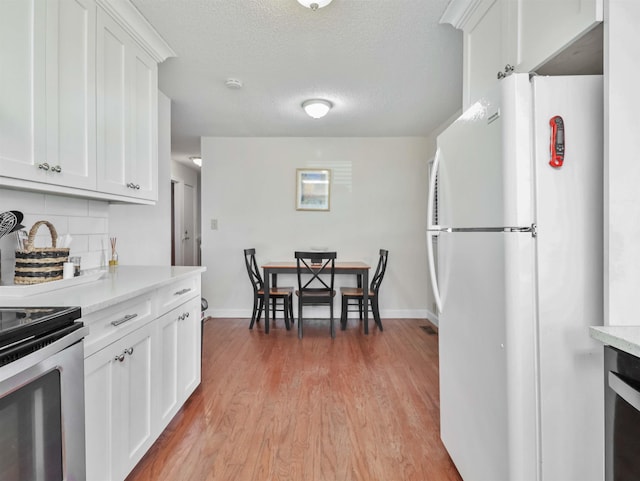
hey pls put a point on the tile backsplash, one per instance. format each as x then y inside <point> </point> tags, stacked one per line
<point>86,221</point>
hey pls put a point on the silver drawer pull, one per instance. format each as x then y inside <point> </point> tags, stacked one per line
<point>126,318</point>
<point>183,291</point>
<point>129,351</point>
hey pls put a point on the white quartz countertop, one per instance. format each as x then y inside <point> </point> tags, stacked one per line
<point>625,338</point>
<point>123,283</point>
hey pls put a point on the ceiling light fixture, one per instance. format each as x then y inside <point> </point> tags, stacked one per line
<point>233,83</point>
<point>314,4</point>
<point>316,108</point>
<point>197,161</point>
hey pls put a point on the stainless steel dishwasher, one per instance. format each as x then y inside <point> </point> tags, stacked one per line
<point>622,415</point>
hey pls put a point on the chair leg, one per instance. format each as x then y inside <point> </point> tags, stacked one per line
<point>291,318</point>
<point>299,319</point>
<point>360,308</point>
<point>253,312</point>
<point>333,330</point>
<point>273,309</point>
<point>376,312</point>
<point>344,313</point>
<point>285,305</point>
<point>260,307</point>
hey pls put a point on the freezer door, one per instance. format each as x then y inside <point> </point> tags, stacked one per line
<point>487,363</point>
<point>485,164</point>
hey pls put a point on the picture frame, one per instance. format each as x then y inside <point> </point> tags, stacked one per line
<point>313,189</point>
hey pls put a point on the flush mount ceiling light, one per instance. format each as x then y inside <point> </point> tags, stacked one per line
<point>197,161</point>
<point>314,4</point>
<point>316,108</point>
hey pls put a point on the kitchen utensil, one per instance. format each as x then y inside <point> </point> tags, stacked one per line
<point>10,222</point>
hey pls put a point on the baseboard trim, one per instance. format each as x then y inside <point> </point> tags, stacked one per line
<point>322,313</point>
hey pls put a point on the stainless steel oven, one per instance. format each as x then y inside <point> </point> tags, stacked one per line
<point>42,394</point>
<point>622,415</point>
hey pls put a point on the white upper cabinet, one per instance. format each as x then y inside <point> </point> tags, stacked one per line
<point>127,114</point>
<point>78,98</point>
<point>549,26</point>
<point>523,35</point>
<point>47,91</point>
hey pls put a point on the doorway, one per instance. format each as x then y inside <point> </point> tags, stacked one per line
<point>184,236</point>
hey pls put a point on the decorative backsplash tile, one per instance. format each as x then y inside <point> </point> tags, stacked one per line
<point>87,221</point>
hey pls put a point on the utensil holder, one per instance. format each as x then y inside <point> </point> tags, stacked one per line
<point>35,265</point>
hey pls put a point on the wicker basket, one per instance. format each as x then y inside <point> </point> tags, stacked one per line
<point>35,265</point>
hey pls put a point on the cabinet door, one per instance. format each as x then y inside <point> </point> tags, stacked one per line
<point>47,93</point>
<point>180,346</point>
<point>548,26</point>
<point>142,165</point>
<point>111,105</point>
<point>70,93</point>
<point>22,87</point>
<point>487,49</point>
<point>168,382</point>
<point>135,384</point>
<point>102,415</point>
<point>189,349</point>
<point>118,405</point>
<point>127,91</point>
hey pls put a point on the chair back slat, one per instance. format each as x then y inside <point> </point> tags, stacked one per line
<point>252,269</point>
<point>380,270</point>
<point>312,265</point>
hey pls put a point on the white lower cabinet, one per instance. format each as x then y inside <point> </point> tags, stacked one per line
<point>179,335</point>
<point>145,367</point>
<point>118,403</point>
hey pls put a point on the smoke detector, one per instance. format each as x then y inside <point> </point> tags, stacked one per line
<point>233,83</point>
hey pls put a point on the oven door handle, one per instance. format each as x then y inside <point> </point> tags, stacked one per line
<point>624,390</point>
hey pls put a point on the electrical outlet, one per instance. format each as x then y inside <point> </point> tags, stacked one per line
<point>214,224</point>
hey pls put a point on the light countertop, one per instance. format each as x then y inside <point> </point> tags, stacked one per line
<point>125,282</point>
<point>625,338</point>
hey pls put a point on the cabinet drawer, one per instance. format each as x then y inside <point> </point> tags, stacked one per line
<point>111,324</point>
<point>175,294</point>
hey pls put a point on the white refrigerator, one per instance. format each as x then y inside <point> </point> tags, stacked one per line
<point>520,269</point>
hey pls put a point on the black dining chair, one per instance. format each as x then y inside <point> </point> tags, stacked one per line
<point>282,294</point>
<point>313,289</point>
<point>356,294</point>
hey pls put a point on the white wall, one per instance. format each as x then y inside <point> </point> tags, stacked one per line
<point>143,232</point>
<point>622,169</point>
<point>378,200</point>
<point>87,221</point>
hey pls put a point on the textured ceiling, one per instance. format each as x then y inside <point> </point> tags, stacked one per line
<point>387,65</point>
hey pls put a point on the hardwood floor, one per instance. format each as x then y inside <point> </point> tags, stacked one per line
<point>275,408</point>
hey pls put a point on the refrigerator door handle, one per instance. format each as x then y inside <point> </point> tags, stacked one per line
<point>533,229</point>
<point>432,231</point>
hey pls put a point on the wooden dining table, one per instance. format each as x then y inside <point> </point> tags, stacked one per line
<point>357,268</point>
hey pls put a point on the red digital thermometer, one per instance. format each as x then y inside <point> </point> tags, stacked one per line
<point>557,141</point>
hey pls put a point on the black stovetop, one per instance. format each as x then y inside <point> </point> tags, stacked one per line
<point>20,323</point>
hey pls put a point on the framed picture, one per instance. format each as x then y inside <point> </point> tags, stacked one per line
<point>313,189</point>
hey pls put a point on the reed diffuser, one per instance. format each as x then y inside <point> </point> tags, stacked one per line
<point>113,261</point>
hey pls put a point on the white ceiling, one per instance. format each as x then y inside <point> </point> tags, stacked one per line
<point>387,66</point>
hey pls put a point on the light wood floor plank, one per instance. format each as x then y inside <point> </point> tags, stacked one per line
<point>275,408</point>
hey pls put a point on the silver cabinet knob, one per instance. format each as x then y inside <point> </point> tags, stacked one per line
<point>119,358</point>
<point>43,166</point>
<point>129,351</point>
<point>57,168</point>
